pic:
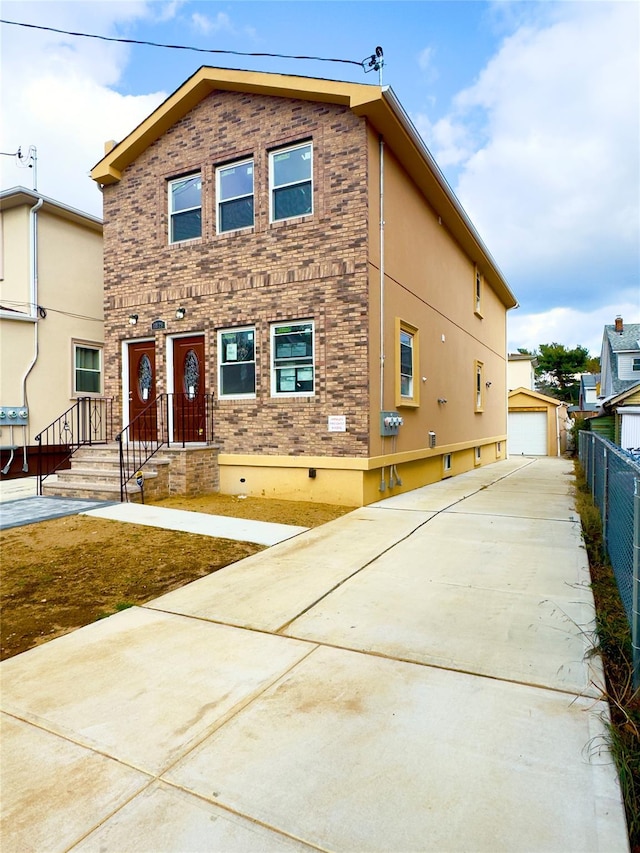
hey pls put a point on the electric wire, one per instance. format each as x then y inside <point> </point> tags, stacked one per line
<point>360,64</point>
<point>43,310</point>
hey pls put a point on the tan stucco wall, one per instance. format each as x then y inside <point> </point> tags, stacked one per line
<point>520,374</point>
<point>70,291</point>
<point>429,283</point>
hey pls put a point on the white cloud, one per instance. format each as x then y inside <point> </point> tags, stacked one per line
<point>65,103</point>
<point>569,326</point>
<point>546,145</point>
<point>205,24</point>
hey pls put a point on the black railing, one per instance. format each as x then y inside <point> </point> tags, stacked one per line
<point>170,419</point>
<point>89,421</point>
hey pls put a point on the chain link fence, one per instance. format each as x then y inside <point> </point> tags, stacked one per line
<point>613,476</point>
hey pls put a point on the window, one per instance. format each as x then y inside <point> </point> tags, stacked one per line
<point>636,364</point>
<point>446,463</point>
<point>479,369</point>
<point>237,362</point>
<point>477,296</point>
<point>292,359</point>
<point>185,208</point>
<point>478,455</point>
<point>87,369</point>
<point>234,191</point>
<point>407,390</point>
<point>290,180</point>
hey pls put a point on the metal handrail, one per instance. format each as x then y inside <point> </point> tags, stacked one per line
<point>169,419</point>
<point>89,421</point>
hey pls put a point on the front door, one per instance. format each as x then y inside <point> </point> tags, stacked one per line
<point>189,412</point>
<point>142,391</point>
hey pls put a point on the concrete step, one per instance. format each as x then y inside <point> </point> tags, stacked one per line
<point>95,491</point>
<point>78,474</point>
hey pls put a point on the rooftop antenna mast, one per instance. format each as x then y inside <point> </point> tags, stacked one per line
<point>375,62</point>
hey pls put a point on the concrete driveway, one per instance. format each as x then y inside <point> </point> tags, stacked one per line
<point>413,676</point>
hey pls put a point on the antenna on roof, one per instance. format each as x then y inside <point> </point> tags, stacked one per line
<point>375,62</point>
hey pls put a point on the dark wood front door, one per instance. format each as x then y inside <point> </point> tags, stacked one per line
<point>189,412</point>
<point>142,391</point>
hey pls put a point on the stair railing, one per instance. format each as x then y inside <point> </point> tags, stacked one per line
<point>169,420</point>
<point>89,421</point>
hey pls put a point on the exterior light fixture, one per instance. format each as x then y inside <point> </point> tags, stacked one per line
<point>133,319</point>
<point>180,312</point>
<point>488,384</point>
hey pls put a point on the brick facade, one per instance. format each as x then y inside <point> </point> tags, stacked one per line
<point>314,267</point>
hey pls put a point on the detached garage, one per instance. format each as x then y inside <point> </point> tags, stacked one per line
<point>537,424</point>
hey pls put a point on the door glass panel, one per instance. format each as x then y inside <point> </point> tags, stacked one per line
<point>191,374</point>
<point>145,377</point>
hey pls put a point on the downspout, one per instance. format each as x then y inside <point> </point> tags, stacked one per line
<point>33,271</point>
<point>382,353</point>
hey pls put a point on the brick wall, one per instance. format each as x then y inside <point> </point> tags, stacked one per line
<point>315,267</point>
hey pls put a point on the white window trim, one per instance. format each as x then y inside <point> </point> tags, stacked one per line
<point>220,201</point>
<point>274,391</point>
<point>221,364</point>
<point>172,212</point>
<point>412,401</point>
<point>78,344</point>
<point>272,187</point>
<point>446,463</point>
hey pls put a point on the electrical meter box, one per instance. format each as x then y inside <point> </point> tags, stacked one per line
<point>390,423</point>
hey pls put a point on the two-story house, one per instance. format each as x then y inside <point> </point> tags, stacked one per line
<point>51,323</point>
<point>289,248</point>
<point>620,384</point>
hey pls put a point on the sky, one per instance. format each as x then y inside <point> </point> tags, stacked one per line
<point>531,109</point>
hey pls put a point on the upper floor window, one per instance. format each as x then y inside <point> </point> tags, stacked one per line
<point>291,182</point>
<point>292,362</point>
<point>234,191</point>
<point>636,364</point>
<point>185,208</point>
<point>237,362</point>
<point>477,296</point>
<point>407,389</point>
<point>87,369</point>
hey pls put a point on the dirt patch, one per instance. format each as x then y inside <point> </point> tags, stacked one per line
<point>61,574</point>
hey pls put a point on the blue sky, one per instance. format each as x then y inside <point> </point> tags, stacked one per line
<point>532,111</point>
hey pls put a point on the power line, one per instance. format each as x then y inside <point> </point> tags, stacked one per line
<point>367,60</point>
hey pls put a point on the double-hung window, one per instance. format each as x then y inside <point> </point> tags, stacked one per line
<point>237,362</point>
<point>87,369</point>
<point>407,389</point>
<point>292,360</point>
<point>291,182</point>
<point>479,370</point>
<point>185,208</point>
<point>234,192</point>
<point>477,296</point>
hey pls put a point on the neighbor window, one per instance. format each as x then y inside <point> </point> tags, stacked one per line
<point>479,370</point>
<point>291,182</point>
<point>477,296</point>
<point>237,362</point>
<point>87,369</point>
<point>292,369</point>
<point>407,389</point>
<point>234,191</point>
<point>185,208</point>
<point>636,364</point>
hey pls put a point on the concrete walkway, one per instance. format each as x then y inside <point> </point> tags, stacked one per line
<point>409,677</point>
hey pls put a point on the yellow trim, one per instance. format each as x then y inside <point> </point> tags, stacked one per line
<point>478,371</point>
<point>478,286</point>
<point>414,401</point>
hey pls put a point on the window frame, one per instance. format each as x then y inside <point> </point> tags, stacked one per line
<point>220,201</point>
<point>77,345</point>
<point>250,395</point>
<point>272,186</point>
<point>404,400</point>
<point>310,361</point>
<point>173,213</point>
<point>635,364</point>
<point>446,463</point>
<point>477,455</point>
<point>479,385</point>
<point>478,287</point>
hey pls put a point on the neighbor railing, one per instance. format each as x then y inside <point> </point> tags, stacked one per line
<point>88,421</point>
<point>613,476</point>
<point>175,419</point>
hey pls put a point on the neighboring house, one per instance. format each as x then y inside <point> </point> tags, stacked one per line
<point>537,424</point>
<point>51,321</point>
<point>289,247</point>
<point>521,371</point>
<point>621,418</point>
<point>588,393</point>
<point>620,358</point>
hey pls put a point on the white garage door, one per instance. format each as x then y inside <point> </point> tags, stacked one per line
<point>528,433</point>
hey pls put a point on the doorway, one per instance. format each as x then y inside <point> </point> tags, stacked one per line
<point>142,391</point>
<point>189,408</point>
